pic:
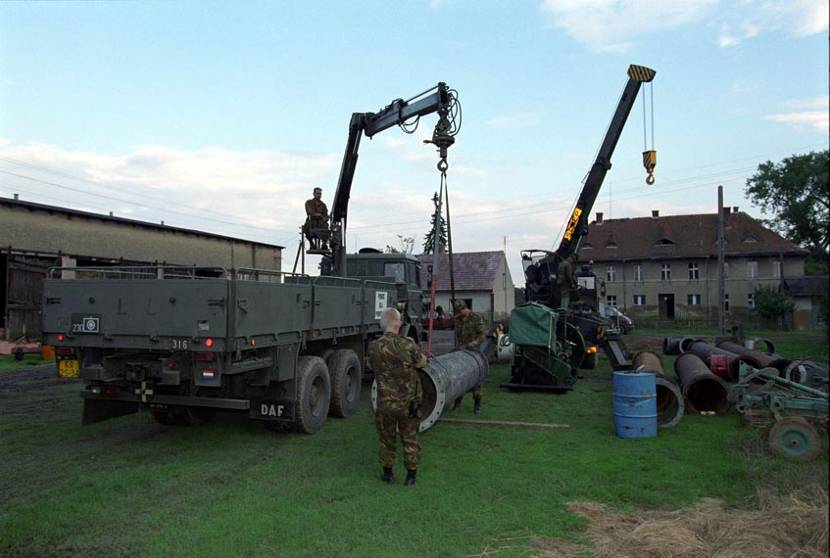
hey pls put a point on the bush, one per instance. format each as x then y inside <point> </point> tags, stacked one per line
<point>773,305</point>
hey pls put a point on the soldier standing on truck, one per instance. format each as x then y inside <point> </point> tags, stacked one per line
<point>317,217</point>
<point>469,331</point>
<point>395,361</point>
<point>566,280</point>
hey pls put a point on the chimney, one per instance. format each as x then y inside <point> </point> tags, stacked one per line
<point>17,196</point>
<point>110,213</point>
<point>734,209</point>
<point>655,213</point>
<point>599,217</point>
<point>727,210</point>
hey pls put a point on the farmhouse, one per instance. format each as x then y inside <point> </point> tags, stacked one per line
<point>667,266</point>
<point>482,280</point>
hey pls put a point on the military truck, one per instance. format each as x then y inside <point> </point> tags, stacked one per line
<point>286,348</point>
<point>185,342</point>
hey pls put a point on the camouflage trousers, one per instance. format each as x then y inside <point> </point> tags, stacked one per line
<point>389,424</point>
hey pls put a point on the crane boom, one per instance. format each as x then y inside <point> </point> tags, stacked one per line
<point>577,225</point>
<point>439,99</point>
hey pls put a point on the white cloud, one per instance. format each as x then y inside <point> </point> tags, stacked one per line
<point>748,19</point>
<point>612,25</point>
<point>810,113</point>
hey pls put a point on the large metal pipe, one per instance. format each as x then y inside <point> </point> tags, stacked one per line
<point>704,391</point>
<point>705,352</point>
<point>446,378</point>
<point>758,359</point>
<point>672,345</point>
<point>670,404</point>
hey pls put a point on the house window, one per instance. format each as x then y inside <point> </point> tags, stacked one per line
<point>638,273</point>
<point>639,300</point>
<point>776,269</point>
<point>752,270</point>
<point>726,302</point>
<point>694,272</point>
<point>750,300</point>
<point>611,300</point>
<point>610,274</point>
<point>693,299</point>
<point>665,272</point>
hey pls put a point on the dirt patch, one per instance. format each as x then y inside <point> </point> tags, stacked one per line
<point>795,525</point>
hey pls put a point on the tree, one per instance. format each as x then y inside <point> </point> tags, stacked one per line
<point>796,192</point>
<point>773,305</point>
<point>429,238</point>
<point>406,245</point>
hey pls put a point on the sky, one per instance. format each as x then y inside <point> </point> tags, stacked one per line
<point>222,116</point>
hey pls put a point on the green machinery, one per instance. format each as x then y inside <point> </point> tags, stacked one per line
<point>793,413</point>
<point>547,349</point>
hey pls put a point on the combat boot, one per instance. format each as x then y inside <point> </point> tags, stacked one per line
<point>410,477</point>
<point>477,407</point>
<point>387,475</point>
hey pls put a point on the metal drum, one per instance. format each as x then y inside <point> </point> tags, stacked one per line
<point>635,405</point>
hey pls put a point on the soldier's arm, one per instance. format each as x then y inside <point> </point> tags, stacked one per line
<point>309,208</point>
<point>419,359</point>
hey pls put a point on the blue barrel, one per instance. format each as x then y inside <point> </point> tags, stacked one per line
<point>635,405</point>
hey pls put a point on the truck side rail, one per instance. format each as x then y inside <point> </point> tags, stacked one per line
<point>159,272</point>
<point>269,275</point>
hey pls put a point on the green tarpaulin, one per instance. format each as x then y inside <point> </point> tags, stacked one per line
<point>533,324</point>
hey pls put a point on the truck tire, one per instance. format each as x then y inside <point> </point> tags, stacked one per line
<point>313,393</point>
<point>346,372</point>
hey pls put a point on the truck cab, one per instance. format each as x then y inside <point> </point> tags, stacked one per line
<point>405,271</point>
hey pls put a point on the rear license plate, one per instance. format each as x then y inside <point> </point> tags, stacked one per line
<point>86,323</point>
<point>272,410</point>
<point>69,369</point>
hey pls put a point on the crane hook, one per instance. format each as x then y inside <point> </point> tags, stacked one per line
<point>649,162</point>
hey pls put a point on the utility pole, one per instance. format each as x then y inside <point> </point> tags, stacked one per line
<point>721,278</point>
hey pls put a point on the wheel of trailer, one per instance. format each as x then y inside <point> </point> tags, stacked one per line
<point>345,372</point>
<point>794,438</point>
<point>313,393</point>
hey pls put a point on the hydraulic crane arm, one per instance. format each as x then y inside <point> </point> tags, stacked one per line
<point>440,99</point>
<point>577,225</point>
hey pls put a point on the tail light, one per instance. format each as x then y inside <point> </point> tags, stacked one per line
<point>209,342</point>
<point>60,338</point>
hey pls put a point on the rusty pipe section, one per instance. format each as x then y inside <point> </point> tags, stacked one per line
<point>676,345</point>
<point>756,358</point>
<point>670,405</point>
<point>705,351</point>
<point>446,378</point>
<point>704,392</point>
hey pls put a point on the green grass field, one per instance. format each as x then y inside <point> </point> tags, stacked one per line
<point>130,487</point>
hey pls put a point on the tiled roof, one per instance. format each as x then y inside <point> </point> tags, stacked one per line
<point>473,271</point>
<point>681,236</point>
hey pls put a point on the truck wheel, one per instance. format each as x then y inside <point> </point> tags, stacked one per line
<point>313,394</point>
<point>345,371</point>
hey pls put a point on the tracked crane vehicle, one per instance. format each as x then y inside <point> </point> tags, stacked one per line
<point>549,362</point>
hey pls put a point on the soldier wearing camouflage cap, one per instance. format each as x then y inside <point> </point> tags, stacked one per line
<point>395,361</point>
<point>469,331</point>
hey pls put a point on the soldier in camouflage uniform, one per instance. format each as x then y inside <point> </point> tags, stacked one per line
<point>317,217</point>
<point>469,331</point>
<point>395,361</point>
